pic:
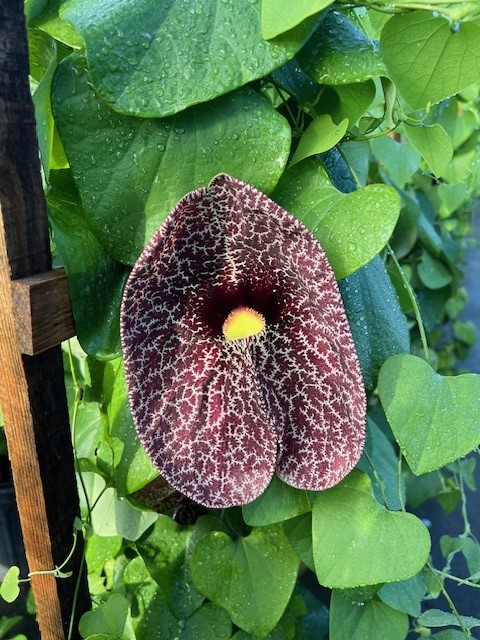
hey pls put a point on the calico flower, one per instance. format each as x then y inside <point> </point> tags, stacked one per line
<point>238,355</point>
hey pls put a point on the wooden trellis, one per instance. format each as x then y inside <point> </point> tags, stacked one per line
<point>34,318</point>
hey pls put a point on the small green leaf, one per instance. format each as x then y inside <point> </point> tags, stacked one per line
<point>50,22</point>
<point>321,135</point>
<point>427,59</point>
<point>279,16</point>
<point>425,409</point>
<point>299,533</point>
<point>352,228</point>
<point>166,551</point>
<point>434,143</point>
<point>348,523</point>
<point>113,516</point>
<point>433,273</point>
<point>9,589</point>
<point>380,462</point>
<point>167,56</point>
<point>339,53</point>
<point>398,160</point>
<point>234,575</point>
<point>465,331</point>
<point>134,469</point>
<point>373,620</point>
<point>405,595</point>
<point>438,618</point>
<point>112,618</point>
<point>277,503</point>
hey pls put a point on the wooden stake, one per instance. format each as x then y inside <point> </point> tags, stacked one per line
<point>32,391</point>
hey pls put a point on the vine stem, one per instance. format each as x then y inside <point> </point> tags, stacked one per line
<point>76,405</point>
<point>445,594</point>
<point>413,300</point>
<point>465,581</point>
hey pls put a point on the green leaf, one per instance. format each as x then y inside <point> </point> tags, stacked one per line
<point>465,331</point>
<point>378,325</point>
<point>438,618</point>
<point>208,622</point>
<point>433,273</point>
<point>134,468</point>
<point>7,623</point>
<point>43,62</point>
<point>279,16</point>
<point>234,575</point>
<point>277,503</point>
<point>405,595</point>
<point>95,280</point>
<point>163,58</point>
<point>9,589</point>
<point>434,143</point>
<point>287,626</point>
<point>398,160</point>
<point>380,462</point>
<point>321,135</point>
<point>352,228</point>
<point>354,100</point>
<point>113,516</point>
<point>299,534</point>
<point>373,620</point>
<point>434,418</point>
<point>339,53</point>
<point>130,172</point>
<point>99,549</point>
<point>427,59</point>
<point>166,550</point>
<point>348,523</point>
<point>112,618</point>
<point>50,22</point>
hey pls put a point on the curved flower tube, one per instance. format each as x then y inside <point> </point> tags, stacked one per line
<point>238,354</point>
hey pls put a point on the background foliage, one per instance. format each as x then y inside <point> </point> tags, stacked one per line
<point>362,121</point>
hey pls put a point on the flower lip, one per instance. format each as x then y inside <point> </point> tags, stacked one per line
<point>243,322</point>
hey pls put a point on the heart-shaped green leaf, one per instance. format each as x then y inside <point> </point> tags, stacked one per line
<point>357,542</point>
<point>131,172</point>
<point>110,618</point>
<point>9,589</point>
<point>235,575</point>
<point>278,502</point>
<point>372,619</point>
<point>321,135</point>
<point>279,16</point>
<point>166,56</point>
<point>339,53</point>
<point>435,419</point>
<point>434,143</point>
<point>352,227</point>
<point>427,59</point>
<point>166,554</point>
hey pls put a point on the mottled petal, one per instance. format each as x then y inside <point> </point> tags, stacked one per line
<point>195,400</point>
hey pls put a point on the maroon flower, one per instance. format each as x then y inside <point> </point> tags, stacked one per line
<point>238,354</point>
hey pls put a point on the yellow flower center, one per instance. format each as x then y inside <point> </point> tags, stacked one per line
<point>243,322</point>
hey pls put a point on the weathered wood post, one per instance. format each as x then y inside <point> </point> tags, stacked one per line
<point>34,318</point>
